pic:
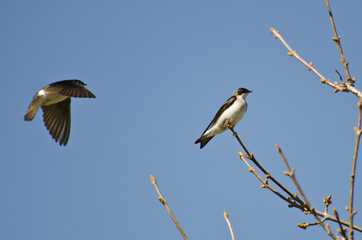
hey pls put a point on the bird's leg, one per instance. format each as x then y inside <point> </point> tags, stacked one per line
<point>230,127</point>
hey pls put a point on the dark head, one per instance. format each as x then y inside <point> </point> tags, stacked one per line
<point>242,91</point>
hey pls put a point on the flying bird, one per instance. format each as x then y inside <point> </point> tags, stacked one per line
<point>229,114</point>
<point>54,99</point>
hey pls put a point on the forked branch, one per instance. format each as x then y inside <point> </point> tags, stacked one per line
<point>292,200</point>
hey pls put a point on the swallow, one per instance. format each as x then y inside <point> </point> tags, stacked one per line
<point>230,113</point>
<point>54,99</point>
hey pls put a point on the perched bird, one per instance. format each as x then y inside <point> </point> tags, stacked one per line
<point>54,99</point>
<point>229,114</point>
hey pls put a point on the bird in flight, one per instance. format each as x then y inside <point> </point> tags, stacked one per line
<point>54,99</point>
<point>229,114</point>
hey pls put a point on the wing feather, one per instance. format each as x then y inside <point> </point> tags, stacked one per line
<point>225,106</point>
<point>72,88</point>
<point>57,120</point>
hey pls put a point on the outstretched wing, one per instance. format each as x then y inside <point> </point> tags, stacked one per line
<point>57,120</point>
<point>225,106</point>
<point>72,88</point>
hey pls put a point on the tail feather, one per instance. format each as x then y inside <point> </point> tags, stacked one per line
<point>203,141</point>
<point>31,113</point>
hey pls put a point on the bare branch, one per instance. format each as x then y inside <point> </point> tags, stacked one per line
<point>341,229</point>
<point>291,174</point>
<point>266,185</point>
<point>226,216</point>
<point>337,39</point>
<point>164,202</point>
<point>354,163</point>
<point>329,217</point>
<point>252,158</point>
<point>297,203</point>
<point>343,87</point>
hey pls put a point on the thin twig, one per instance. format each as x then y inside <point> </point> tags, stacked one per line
<point>342,230</point>
<point>164,202</point>
<point>358,137</point>
<point>226,216</point>
<point>305,225</point>
<point>350,81</point>
<point>337,39</point>
<point>291,174</point>
<point>344,87</point>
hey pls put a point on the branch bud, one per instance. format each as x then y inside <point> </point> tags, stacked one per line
<point>153,180</point>
<point>286,173</point>
<point>162,200</point>
<point>360,103</point>
<point>226,215</point>
<point>327,201</point>
<point>336,39</point>
<point>341,230</point>
<point>278,148</point>
<point>303,225</point>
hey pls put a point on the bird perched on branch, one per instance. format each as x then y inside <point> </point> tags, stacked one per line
<point>54,99</point>
<point>228,115</point>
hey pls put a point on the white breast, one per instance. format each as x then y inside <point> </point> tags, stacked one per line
<point>233,114</point>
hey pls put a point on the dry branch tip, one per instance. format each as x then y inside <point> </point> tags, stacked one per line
<point>153,179</point>
<point>278,148</point>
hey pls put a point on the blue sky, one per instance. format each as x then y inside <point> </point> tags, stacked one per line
<point>160,71</point>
